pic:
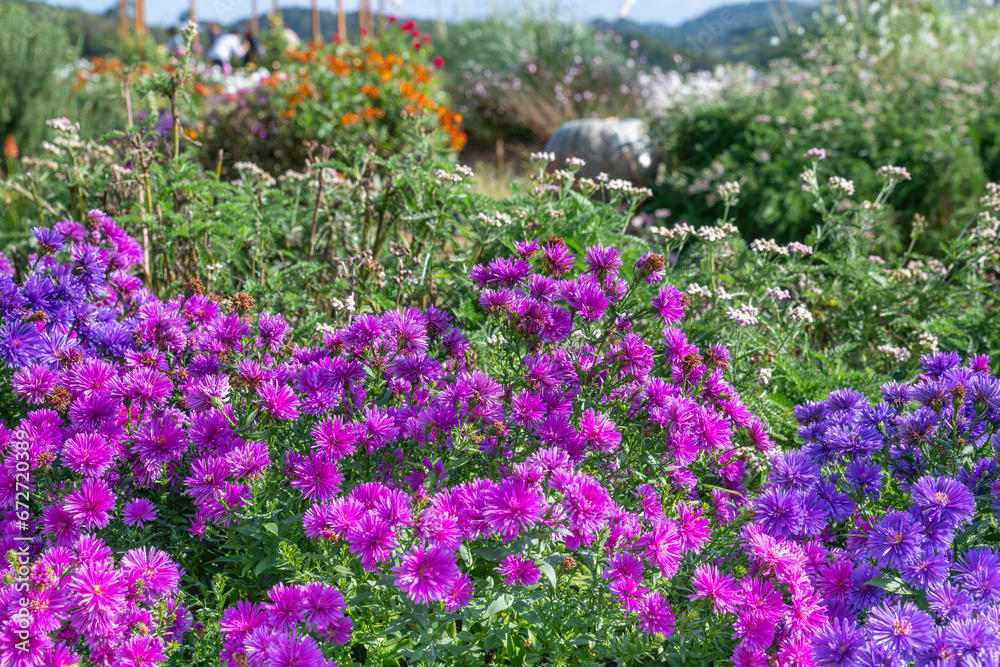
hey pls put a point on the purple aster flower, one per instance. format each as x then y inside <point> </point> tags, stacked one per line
<point>519,571</point>
<point>721,589</point>
<point>865,475</point>
<point>91,503</point>
<point>778,512</point>
<point>793,471</point>
<point>87,454</point>
<point>285,608</point>
<point>943,498</point>
<point>926,570</point>
<point>316,477</point>
<point>98,595</point>
<point>19,343</point>
<point>427,574</point>
<point>603,262</point>
<point>505,271</point>
<point>512,507</point>
<point>201,392</point>
<point>902,628</point>
<point>656,616</point>
<point>650,268</point>
<point>895,539</point>
<point>159,574</point>
<point>294,650</point>
<point>138,513</point>
<point>526,249</point>
<point>271,331</point>
<point>278,399</point>
<point>863,594</point>
<point>947,601</point>
<point>600,433</point>
<point>669,305</point>
<point>586,298</point>
<point>140,652</point>
<point>372,539</point>
<point>556,257</point>
<point>459,595</point>
<point>34,383</point>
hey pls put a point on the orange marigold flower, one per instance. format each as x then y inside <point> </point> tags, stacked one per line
<point>201,89</point>
<point>370,90</point>
<point>349,118</point>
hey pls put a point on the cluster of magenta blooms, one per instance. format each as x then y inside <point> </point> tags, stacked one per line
<point>128,395</point>
<point>868,523</point>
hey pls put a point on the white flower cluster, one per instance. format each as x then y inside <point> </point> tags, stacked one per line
<point>893,173</point>
<point>443,176</point>
<point>928,340</point>
<point>838,184</point>
<point>992,197</point>
<point>542,157</point>
<point>728,190</point>
<point>465,171</point>
<point>563,175</point>
<point>764,376</point>
<point>712,233</point>
<point>797,248</point>
<point>63,125</point>
<point>800,314</point>
<point>815,154</point>
<point>768,245</point>
<point>681,230</point>
<point>744,315</point>
<point>722,295</point>
<point>252,170</point>
<point>694,289</point>
<point>347,304</point>
<point>575,162</point>
<point>498,219</point>
<point>627,187</point>
<point>777,293</point>
<point>897,353</point>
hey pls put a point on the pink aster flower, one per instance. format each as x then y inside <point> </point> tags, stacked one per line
<point>34,383</point>
<point>91,503</point>
<point>721,589</point>
<point>519,571</point>
<point>427,574</point>
<point>140,651</point>
<point>600,432</point>
<point>159,574</point>
<point>316,477</point>
<point>656,616</point>
<point>669,304</point>
<point>138,513</point>
<point>278,399</point>
<point>513,507</point>
<point>459,595</point>
<point>693,526</point>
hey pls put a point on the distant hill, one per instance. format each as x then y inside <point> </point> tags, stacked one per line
<point>736,32</point>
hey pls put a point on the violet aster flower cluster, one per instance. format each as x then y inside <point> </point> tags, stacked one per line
<point>865,549</point>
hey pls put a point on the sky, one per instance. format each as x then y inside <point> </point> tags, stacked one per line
<point>671,12</point>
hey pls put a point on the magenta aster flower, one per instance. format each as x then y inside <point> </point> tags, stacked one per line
<point>87,454</point>
<point>159,574</point>
<point>459,595</point>
<point>294,650</point>
<point>141,652</point>
<point>669,304</point>
<point>91,503</point>
<point>98,594</point>
<point>662,546</point>
<point>202,391</point>
<point>693,527</point>
<point>656,616</point>
<point>278,399</point>
<point>721,589</point>
<point>427,574</point>
<point>372,539</point>
<point>600,432</point>
<point>513,507</point>
<point>323,604</point>
<point>285,608</point>
<point>519,571</point>
<point>316,477</point>
<point>34,383</point>
<point>138,513</point>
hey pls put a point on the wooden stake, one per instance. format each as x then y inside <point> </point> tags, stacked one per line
<point>254,18</point>
<point>341,22</point>
<point>123,17</point>
<point>317,36</point>
<point>381,16</point>
<point>140,17</point>
<point>193,11</point>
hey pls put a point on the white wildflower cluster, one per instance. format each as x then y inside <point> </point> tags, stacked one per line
<point>498,219</point>
<point>681,230</point>
<point>556,213</point>
<point>875,259</point>
<point>587,185</point>
<point>870,206</point>
<point>443,176</point>
<point>713,234</point>
<point>764,376</point>
<point>842,185</point>
<point>64,125</point>
<point>254,172</point>
<point>347,304</point>
<point>797,248</point>
<point>992,197</point>
<point>324,328</point>
<point>728,190</point>
<point>897,353</point>
<point>800,314</point>
<point>744,316</point>
<point>809,183</point>
<point>563,175</point>
<point>694,289</point>
<point>542,157</point>
<point>292,176</point>
<point>768,246</point>
<point>919,225</point>
<point>465,171</point>
<point>603,177</point>
<point>777,293</point>
<point>575,162</point>
<point>815,154</point>
<point>495,340</point>
<point>988,227</point>
<point>722,295</point>
<point>626,187</point>
<point>51,148</point>
<point>929,341</point>
<point>893,173</point>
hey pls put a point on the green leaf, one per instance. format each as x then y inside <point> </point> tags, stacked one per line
<point>498,605</point>
<point>272,527</point>
<point>549,572</point>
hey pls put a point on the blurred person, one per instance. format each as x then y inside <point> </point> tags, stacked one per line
<point>175,41</point>
<point>225,46</point>
<point>252,47</point>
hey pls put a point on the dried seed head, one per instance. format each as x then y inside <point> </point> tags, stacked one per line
<point>241,302</point>
<point>59,398</point>
<point>195,286</point>
<point>568,563</point>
